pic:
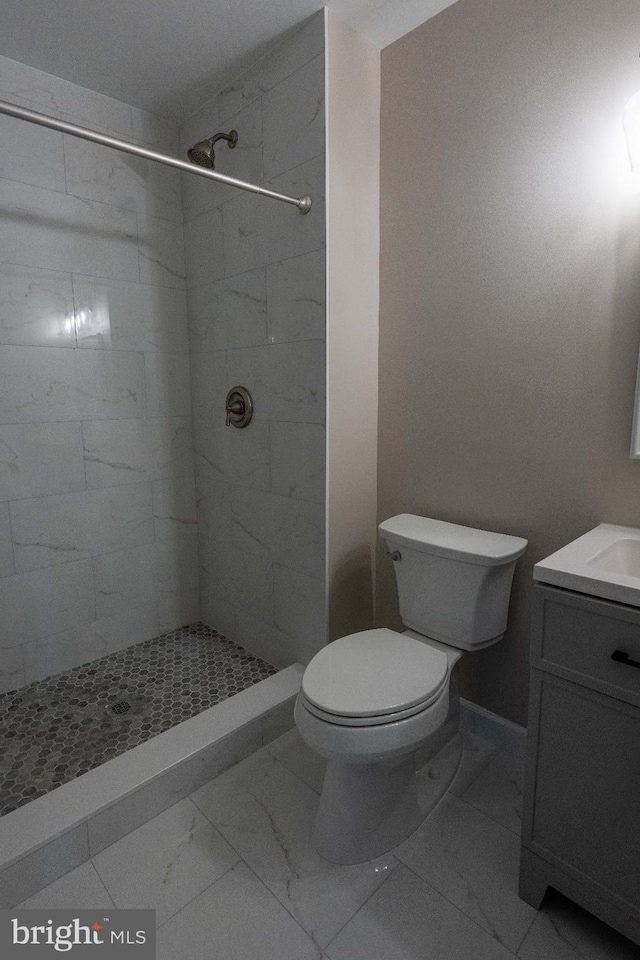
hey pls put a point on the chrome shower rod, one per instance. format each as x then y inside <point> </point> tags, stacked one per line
<point>31,116</point>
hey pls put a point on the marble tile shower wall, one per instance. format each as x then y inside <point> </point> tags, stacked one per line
<point>256,298</point>
<point>98,544</point>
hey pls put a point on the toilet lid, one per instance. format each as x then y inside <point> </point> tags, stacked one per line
<point>374,673</point>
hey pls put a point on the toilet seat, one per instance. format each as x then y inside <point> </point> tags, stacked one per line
<point>373,677</point>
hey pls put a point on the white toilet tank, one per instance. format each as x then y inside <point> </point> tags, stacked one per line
<point>453,582</point>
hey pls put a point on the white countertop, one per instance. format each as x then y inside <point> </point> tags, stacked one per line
<point>604,563</point>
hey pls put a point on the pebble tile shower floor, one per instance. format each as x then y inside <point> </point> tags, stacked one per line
<point>54,730</point>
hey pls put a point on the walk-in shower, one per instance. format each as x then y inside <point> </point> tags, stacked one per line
<point>161,573</point>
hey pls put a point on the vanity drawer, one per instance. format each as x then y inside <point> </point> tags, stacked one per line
<point>575,636</point>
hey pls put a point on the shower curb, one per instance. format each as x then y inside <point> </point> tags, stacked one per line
<point>56,833</point>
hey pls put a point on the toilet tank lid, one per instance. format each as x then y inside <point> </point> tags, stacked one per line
<point>453,541</point>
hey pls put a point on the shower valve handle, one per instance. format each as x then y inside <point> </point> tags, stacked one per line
<point>239,407</point>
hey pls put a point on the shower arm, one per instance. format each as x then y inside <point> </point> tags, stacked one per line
<point>31,116</point>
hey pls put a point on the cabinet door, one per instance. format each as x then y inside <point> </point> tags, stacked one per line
<point>586,811</point>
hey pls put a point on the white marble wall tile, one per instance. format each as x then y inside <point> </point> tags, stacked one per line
<point>229,313</point>
<point>166,862</point>
<point>247,920</point>
<point>74,526</point>
<point>84,106</point>
<point>174,612</point>
<point>29,153</point>
<point>245,579</point>
<point>45,385</point>
<point>267,814</point>
<point>244,162</point>
<point>130,316</point>
<point>42,228</point>
<point>7,567</point>
<point>42,602</point>
<point>296,298</point>
<point>175,568</point>
<point>225,453</point>
<point>290,532</point>
<point>126,451</point>
<point>129,579</point>
<point>161,245</point>
<point>209,387</point>
<point>37,384</point>
<point>293,119</point>
<point>95,172</point>
<point>299,603</point>
<point>201,124</point>
<point>203,247</point>
<point>36,307</point>
<point>154,131</point>
<point>174,507</point>
<point>264,640</point>
<point>37,459</point>
<point>124,580</point>
<point>115,451</point>
<point>286,380</point>
<point>213,500</point>
<point>287,237</point>
<point>296,50</point>
<point>110,384</point>
<point>259,231</point>
<point>170,447</point>
<point>168,387</point>
<point>12,673</point>
<point>298,456</point>
<point>219,614</point>
<point>77,645</point>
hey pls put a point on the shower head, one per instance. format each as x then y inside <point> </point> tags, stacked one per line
<point>202,152</point>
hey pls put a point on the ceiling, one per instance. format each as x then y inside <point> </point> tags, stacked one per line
<point>167,55</point>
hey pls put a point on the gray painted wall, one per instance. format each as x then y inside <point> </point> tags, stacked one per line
<point>256,296</point>
<point>510,287</point>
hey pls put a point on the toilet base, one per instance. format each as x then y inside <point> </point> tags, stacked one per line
<point>368,809</point>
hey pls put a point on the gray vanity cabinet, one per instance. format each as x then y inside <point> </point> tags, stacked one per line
<point>581,821</point>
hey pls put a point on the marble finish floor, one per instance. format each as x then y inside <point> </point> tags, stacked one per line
<point>231,873</point>
<point>54,730</point>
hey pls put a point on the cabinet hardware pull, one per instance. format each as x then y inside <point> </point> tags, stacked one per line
<point>621,656</point>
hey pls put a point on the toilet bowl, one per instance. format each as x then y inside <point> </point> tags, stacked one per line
<point>378,704</point>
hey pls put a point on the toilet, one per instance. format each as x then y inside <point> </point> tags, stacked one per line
<point>379,704</point>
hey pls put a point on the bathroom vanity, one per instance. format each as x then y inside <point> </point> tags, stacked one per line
<point>581,822</point>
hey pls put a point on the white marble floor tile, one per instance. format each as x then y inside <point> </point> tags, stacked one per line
<point>476,755</point>
<point>564,931</point>
<point>235,919</point>
<point>406,919</point>
<point>497,791</point>
<point>267,814</point>
<point>82,889</point>
<point>166,862</point>
<point>291,750</point>
<point>473,862</point>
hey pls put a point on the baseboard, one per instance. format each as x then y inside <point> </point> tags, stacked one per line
<point>509,736</point>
